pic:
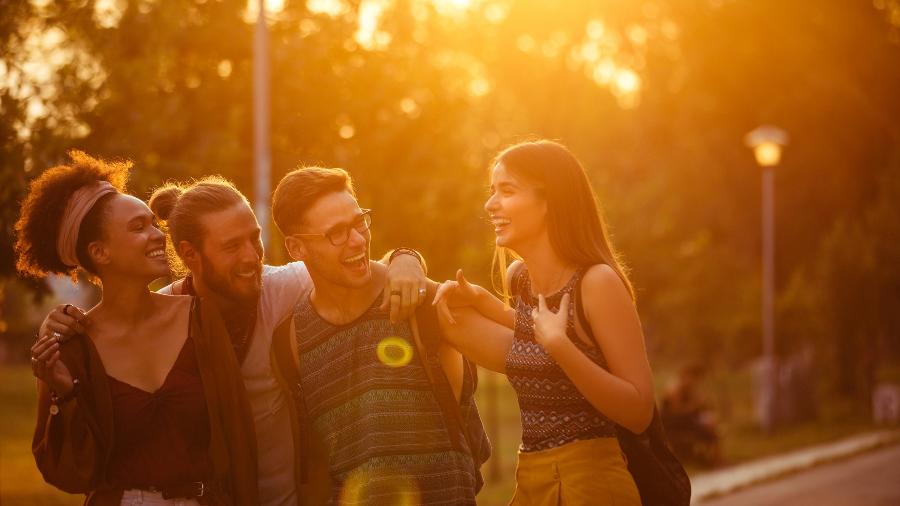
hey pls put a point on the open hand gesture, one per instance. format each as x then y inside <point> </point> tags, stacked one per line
<point>550,327</point>
<point>451,294</point>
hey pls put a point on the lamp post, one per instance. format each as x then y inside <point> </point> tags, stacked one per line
<point>262,160</point>
<point>767,142</point>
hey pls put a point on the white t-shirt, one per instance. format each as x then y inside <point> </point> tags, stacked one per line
<point>282,288</point>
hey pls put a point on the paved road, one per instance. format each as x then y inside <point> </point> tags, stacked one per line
<point>871,479</point>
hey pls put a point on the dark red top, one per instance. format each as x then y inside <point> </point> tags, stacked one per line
<point>161,438</point>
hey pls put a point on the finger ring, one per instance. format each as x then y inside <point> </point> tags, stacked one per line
<point>395,292</point>
<point>34,360</point>
<point>66,309</point>
<point>422,292</point>
<point>57,336</point>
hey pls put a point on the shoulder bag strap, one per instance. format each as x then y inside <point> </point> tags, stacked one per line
<point>444,397</point>
<point>432,364</point>
<point>285,353</point>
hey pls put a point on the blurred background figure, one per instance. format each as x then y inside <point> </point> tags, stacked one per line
<point>689,419</point>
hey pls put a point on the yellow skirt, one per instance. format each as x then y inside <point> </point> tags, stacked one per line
<point>588,473</point>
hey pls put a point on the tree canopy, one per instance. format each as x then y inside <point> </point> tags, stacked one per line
<point>414,97</point>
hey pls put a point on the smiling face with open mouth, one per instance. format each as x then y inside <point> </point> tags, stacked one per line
<point>515,208</point>
<point>231,254</point>
<point>132,244</point>
<point>336,239</point>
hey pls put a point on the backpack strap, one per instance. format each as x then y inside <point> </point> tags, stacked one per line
<point>581,317</point>
<point>461,415</point>
<point>515,279</point>
<point>431,362</point>
<point>284,353</point>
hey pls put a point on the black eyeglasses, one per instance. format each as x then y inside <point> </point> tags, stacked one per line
<point>339,234</point>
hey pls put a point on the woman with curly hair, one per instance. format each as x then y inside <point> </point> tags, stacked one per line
<point>571,344</point>
<point>147,404</point>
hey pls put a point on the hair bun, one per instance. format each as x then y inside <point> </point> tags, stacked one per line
<point>163,200</point>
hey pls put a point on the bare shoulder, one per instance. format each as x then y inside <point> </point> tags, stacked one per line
<point>602,283</point>
<point>513,268</point>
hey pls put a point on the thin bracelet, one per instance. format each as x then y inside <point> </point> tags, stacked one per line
<point>409,251</point>
<point>56,399</point>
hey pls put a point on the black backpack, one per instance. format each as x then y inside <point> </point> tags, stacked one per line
<point>659,476</point>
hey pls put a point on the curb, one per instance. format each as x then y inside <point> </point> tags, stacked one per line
<point>724,481</point>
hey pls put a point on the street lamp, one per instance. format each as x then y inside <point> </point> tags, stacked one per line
<point>767,142</point>
<point>262,161</point>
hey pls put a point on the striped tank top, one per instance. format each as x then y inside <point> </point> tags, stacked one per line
<point>553,410</point>
<point>368,398</point>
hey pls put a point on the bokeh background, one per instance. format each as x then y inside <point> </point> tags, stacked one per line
<point>414,97</point>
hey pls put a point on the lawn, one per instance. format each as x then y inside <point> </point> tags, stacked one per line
<point>20,483</point>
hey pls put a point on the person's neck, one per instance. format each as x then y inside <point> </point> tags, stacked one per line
<point>225,305</point>
<point>340,304</point>
<point>125,301</point>
<point>547,271</point>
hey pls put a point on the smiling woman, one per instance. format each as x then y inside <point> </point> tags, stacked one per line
<point>96,183</point>
<point>154,382</point>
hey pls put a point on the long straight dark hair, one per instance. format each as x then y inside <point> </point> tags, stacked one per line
<point>575,225</point>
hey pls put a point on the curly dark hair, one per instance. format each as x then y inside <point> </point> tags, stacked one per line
<point>37,229</point>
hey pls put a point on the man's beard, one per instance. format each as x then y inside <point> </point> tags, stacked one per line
<point>220,284</point>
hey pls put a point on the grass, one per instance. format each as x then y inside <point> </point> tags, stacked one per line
<point>20,482</point>
<point>742,439</point>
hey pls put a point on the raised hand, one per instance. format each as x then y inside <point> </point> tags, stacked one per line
<point>47,367</point>
<point>550,327</point>
<point>458,293</point>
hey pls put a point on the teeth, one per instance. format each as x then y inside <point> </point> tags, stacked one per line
<point>157,253</point>
<point>357,258</point>
<point>500,221</point>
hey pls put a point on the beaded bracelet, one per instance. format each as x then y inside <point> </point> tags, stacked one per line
<point>57,401</point>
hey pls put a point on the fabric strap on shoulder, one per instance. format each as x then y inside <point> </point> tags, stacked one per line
<point>440,385</point>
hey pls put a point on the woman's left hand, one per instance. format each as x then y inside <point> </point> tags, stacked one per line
<point>550,327</point>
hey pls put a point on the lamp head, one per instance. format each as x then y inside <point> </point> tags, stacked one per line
<point>767,142</point>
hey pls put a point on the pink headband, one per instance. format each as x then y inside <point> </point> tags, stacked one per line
<point>78,206</point>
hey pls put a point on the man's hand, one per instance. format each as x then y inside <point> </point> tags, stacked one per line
<point>405,287</point>
<point>66,320</point>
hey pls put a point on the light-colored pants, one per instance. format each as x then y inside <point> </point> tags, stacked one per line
<point>147,498</point>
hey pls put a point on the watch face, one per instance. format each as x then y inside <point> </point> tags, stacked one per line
<point>54,409</point>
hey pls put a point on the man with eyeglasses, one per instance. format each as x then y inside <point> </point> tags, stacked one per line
<point>390,419</point>
<point>224,258</point>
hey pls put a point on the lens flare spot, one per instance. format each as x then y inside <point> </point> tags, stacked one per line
<point>394,351</point>
<point>363,485</point>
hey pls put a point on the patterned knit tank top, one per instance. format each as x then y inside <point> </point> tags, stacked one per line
<point>553,410</point>
<point>386,438</point>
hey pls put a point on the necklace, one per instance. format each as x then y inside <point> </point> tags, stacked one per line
<point>558,282</point>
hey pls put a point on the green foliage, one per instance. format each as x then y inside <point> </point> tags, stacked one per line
<point>654,97</point>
